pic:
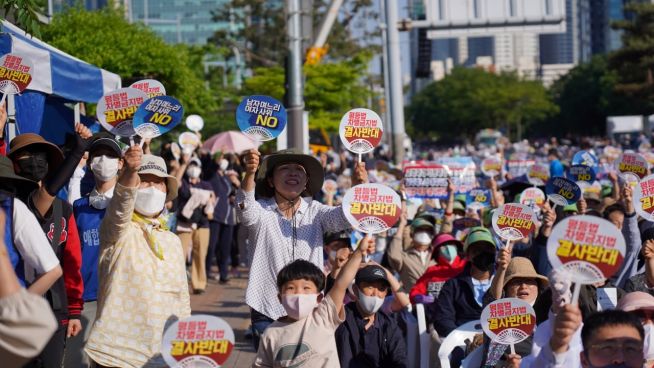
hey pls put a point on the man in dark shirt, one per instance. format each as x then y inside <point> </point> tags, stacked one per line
<point>369,337</point>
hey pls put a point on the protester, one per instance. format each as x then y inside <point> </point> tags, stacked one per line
<point>222,225</point>
<point>141,268</point>
<point>196,207</point>
<point>556,167</point>
<point>27,249</point>
<point>36,159</point>
<point>460,299</point>
<point>104,162</point>
<point>449,263</point>
<point>644,281</point>
<point>412,263</point>
<point>282,225</point>
<point>305,336</point>
<point>26,321</point>
<point>642,305</point>
<point>369,337</point>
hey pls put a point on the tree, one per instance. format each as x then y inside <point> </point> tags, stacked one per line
<point>23,13</point>
<point>259,30</point>
<point>468,100</point>
<point>331,89</point>
<point>633,63</point>
<point>586,96</point>
<point>104,38</point>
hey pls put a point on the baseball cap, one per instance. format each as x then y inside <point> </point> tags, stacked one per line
<point>102,140</point>
<point>478,234</point>
<point>371,273</point>
<point>421,222</point>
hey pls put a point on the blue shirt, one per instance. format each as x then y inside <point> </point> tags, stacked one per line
<point>88,221</point>
<point>556,168</point>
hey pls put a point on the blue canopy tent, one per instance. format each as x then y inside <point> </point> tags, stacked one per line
<point>58,79</point>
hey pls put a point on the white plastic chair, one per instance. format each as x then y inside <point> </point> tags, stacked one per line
<point>423,336</point>
<point>457,338</point>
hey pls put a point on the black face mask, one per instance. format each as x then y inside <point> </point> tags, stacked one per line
<point>484,261</point>
<point>34,167</point>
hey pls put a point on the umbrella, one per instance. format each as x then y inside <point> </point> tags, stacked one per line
<point>230,141</point>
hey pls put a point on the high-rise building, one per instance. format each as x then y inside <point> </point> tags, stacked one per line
<point>603,13</point>
<point>177,21</point>
<point>574,46</point>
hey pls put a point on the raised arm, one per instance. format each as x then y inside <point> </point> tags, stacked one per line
<point>120,210</point>
<point>503,261</point>
<point>347,273</point>
<point>247,207</point>
<point>44,197</point>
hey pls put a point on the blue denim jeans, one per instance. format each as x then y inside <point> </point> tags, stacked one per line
<point>260,323</point>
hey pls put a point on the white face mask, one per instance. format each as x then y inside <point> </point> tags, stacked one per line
<point>380,244</point>
<point>299,306</point>
<point>370,304</point>
<point>648,346</point>
<point>224,164</point>
<point>193,172</point>
<point>104,168</point>
<point>100,201</point>
<point>149,201</point>
<point>422,238</point>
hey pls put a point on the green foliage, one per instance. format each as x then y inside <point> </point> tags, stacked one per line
<point>330,89</point>
<point>104,38</point>
<point>633,63</point>
<point>586,96</point>
<point>263,39</point>
<point>468,100</point>
<point>23,14</point>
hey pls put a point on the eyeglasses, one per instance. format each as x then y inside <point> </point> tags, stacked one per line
<point>631,349</point>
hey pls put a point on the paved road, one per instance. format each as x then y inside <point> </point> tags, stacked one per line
<point>228,303</point>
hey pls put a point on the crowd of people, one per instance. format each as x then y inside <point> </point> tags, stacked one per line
<point>104,242</point>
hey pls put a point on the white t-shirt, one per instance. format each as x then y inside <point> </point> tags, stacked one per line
<point>31,242</point>
<point>308,342</point>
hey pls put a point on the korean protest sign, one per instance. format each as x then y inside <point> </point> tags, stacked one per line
<point>508,321</point>
<point>372,208</point>
<point>562,191</point>
<point>15,73</point>
<point>643,198</point>
<point>261,117</point>
<point>157,116</point>
<point>115,110</point>
<point>361,130</point>
<point>151,87</point>
<point>513,221</point>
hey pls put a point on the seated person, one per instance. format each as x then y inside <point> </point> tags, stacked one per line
<point>518,280</point>
<point>460,299</point>
<point>305,336</point>
<point>369,337</point>
<point>449,263</point>
<point>413,262</point>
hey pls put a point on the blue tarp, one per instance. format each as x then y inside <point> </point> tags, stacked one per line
<point>58,79</point>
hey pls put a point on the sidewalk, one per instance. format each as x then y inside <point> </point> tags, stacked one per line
<point>228,303</point>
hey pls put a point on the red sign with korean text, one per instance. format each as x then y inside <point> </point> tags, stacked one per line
<point>361,130</point>
<point>512,221</point>
<point>15,73</point>
<point>198,341</point>
<point>372,208</point>
<point>643,198</point>
<point>508,321</point>
<point>591,249</point>
<point>116,109</point>
<point>632,162</point>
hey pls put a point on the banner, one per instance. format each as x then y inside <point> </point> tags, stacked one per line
<point>519,167</point>
<point>462,170</point>
<point>491,166</point>
<point>426,180</point>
